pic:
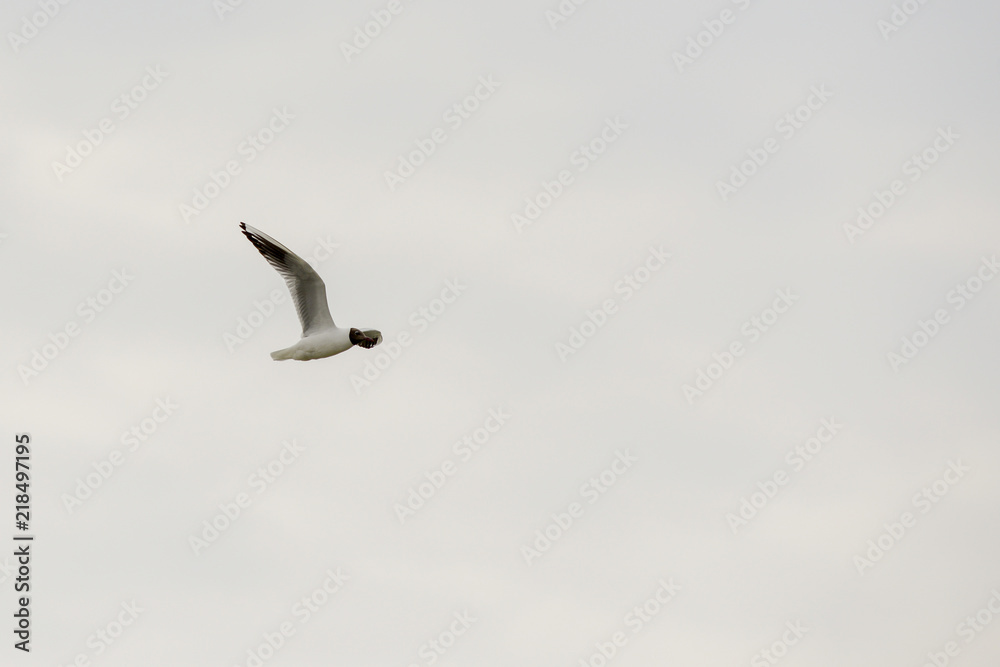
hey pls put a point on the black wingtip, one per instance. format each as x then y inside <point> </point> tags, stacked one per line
<point>246,233</point>
<point>269,250</point>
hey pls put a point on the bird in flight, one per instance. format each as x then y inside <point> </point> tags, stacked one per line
<point>320,336</point>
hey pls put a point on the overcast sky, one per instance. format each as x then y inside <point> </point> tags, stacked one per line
<point>688,309</point>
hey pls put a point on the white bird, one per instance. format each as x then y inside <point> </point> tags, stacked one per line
<point>320,336</point>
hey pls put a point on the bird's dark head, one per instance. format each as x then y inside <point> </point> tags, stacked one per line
<point>358,337</point>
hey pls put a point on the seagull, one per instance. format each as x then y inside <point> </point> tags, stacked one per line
<point>320,336</point>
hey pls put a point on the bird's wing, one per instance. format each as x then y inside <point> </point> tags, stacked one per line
<point>307,288</point>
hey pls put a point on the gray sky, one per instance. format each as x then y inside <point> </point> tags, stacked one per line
<point>135,138</point>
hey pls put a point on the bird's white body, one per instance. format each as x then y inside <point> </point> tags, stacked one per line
<point>320,336</point>
<point>317,346</point>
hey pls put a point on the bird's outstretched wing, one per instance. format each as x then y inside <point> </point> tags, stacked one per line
<point>307,288</point>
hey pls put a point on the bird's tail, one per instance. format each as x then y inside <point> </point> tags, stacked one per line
<point>282,355</point>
